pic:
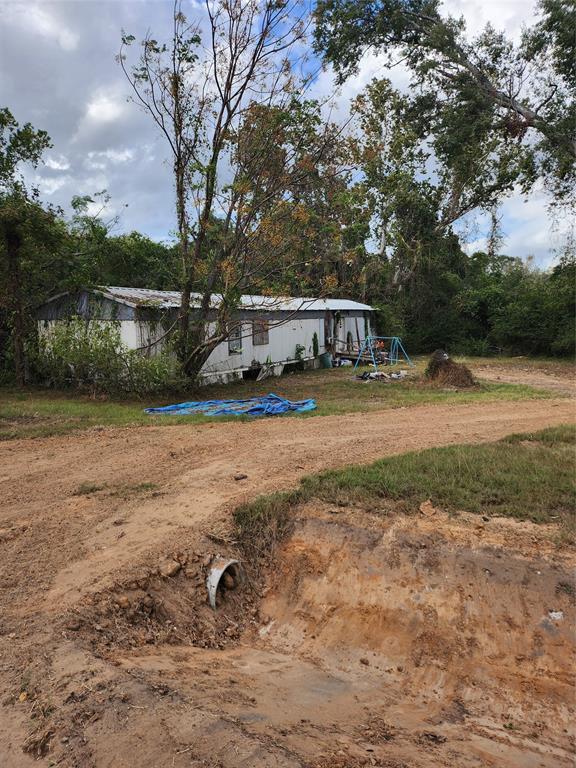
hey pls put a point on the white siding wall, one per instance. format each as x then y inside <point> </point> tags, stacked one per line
<point>281,347</point>
<point>129,332</point>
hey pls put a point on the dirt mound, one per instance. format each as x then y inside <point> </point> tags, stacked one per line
<point>443,370</point>
<point>393,641</point>
<point>163,605</point>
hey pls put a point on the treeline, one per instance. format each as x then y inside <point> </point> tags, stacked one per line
<point>486,305</point>
<point>478,304</point>
<point>271,197</point>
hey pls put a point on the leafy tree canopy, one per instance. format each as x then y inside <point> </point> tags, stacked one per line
<point>520,95</point>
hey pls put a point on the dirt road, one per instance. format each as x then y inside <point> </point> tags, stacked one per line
<point>191,472</point>
<point>80,512</point>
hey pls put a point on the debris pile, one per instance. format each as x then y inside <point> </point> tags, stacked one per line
<point>381,376</point>
<point>443,370</point>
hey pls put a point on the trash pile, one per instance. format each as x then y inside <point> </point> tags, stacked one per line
<point>443,370</point>
<point>381,376</point>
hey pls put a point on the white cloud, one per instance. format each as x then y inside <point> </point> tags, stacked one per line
<point>505,15</point>
<point>41,21</point>
<point>106,107</point>
<point>527,226</point>
<point>50,185</point>
<point>98,161</point>
<point>57,163</point>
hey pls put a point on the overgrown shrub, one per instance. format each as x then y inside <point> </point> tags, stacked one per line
<point>89,355</point>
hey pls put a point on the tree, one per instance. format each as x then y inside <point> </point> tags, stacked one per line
<point>317,226</point>
<point>413,210</point>
<point>521,95</point>
<point>228,119</point>
<point>101,258</point>
<point>22,221</point>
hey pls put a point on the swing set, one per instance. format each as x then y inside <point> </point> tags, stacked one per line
<point>383,350</point>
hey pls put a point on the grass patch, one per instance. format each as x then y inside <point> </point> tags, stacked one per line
<point>125,491</point>
<point>40,413</point>
<point>85,489</point>
<point>526,477</point>
<point>553,365</point>
<point>261,524</point>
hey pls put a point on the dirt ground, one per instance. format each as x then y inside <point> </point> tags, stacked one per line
<point>444,642</point>
<point>557,380</point>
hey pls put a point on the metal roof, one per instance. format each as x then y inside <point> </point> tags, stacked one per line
<point>168,299</point>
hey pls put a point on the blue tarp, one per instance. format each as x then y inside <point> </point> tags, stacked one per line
<point>268,405</point>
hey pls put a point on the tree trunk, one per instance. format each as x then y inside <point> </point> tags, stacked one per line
<point>201,353</point>
<point>183,239</point>
<point>191,343</point>
<point>13,243</point>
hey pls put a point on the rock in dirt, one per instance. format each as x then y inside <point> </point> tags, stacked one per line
<point>431,737</point>
<point>240,476</point>
<point>169,568</point>
<point>427,508</point>
<point>73,624</point>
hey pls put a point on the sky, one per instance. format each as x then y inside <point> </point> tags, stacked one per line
<point>58,71</point>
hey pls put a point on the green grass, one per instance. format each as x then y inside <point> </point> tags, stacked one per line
<point>86,489</point>
<point>527,477</point>
<point>125,491</point>
<point>41,413</point>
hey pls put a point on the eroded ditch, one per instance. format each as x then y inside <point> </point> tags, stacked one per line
<point>406,641</point>
<point>396,641</point>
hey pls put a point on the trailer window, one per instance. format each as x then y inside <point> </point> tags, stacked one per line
<point>235,340</point>
<point>260,332</point>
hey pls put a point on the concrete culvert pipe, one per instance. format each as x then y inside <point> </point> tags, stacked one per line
<point>224,575</point>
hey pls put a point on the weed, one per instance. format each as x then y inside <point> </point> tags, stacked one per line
<point>125,491</point>
<point>85,489</point>
<point>264,522</point>
<point>565,433</point>
<point>567,588</point>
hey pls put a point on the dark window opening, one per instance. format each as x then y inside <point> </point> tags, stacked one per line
<point>235,340</point>
<point>260,332</point>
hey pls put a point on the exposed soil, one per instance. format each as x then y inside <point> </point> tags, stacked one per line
<point>392,643</point>
<point>559,380</point>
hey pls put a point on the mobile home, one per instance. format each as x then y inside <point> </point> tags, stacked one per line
<point>268,331</point>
